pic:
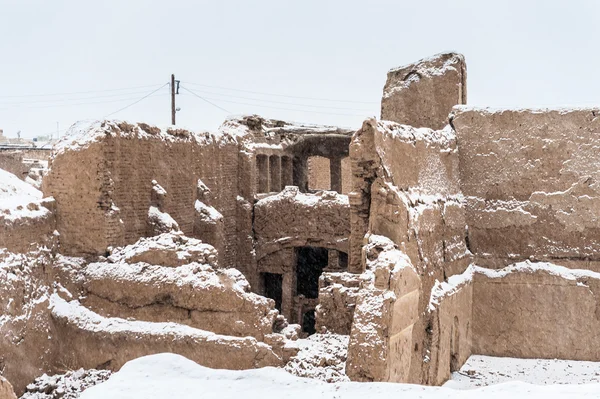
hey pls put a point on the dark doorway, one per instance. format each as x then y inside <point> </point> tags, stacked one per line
<point>273,284</point>
<point>310,262</point>
<point>343,260</point>
<point>308,322</point>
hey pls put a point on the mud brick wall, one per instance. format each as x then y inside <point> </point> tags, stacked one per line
<point>12,161</point>
<point>115,185</point>
<point>319,176</point>
<point>27,233</point>
<point>531,179</point>
<point>77,184</point>
<point>294,219</point>
<point>133,164</point>
<point>531,313</point>
<point>423,94</point>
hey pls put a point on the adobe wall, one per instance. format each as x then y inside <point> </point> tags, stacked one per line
<point>382,339</point>
<point>116,185</point>
<point>531,179</point>
<point>25,230</point>
<point>12,161</point>
<point>536,310</point>
<point>26,351</point>
<point>451,324</point>
<point>407,189</point>
<point>422,94</point>
<point>292,219</point>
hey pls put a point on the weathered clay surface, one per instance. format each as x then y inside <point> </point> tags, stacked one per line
<point>169,249</point>
<point>338,294</point>
<point>536,310</point>
<point>531,181</point>
<point>423,94</point>
<point>6,389</point>
<point>27,335</point>
<point>89,340</point>
<point>407,189</point>
<point>381,341</point>
<point>294,219</point>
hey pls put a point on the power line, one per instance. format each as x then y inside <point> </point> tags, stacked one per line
<point>204,99</point>
<point>282,95</point>
<point>72,104</point>
<point>283,102</point>
<point>135,102</point>
<point>272,107</point>
<point>79,92</point>
<point>71,99</point>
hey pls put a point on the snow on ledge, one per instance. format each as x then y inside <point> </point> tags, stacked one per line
<point>84,319</point>
<point>81,134</point>
<point>444,289</point>
<point>532,267</point>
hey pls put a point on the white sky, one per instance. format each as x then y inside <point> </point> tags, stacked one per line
<point>519,53</point>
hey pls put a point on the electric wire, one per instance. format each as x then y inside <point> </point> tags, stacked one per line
<point>72,99</point>
<point>272,107</point>
<point>281,102</point>
<point>280,95</point>
<point>135,102</point>
<point>204,99</point>
<point>79,92</point>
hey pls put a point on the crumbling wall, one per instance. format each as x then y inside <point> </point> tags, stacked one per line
<point>26,219</point>
<point>423,94</point>
<point>107,202</point>
<point>531,179</point>
<point>28,346</point>
<point>536,310</point>
<point>338,294</point>
<point>27,226</point>
<point>293,219</point>
<point>12,161</point>
<point>382,340</point>
<point>407,189</point>
<point>450,325</point>
<point>89,340</point>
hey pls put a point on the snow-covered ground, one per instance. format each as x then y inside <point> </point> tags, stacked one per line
<point>321,356</point>
<point>173,376</point>
<point>481,371</point>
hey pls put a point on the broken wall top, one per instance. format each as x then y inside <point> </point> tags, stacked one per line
<point>422,94</point>
<point>84,133</point>
<point>255,132</point>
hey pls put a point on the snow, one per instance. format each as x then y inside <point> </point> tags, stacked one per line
<point>541,110</point>
<point>88,321</point>
<point>444,137</point>
<point>14,191</point>
<point>487,370</point>
<point>443,289</point>
<point>210,214</point>
<point>172,376</point>
<point>185,249</point>
<point>162,218</point>
<point>84,133</point>
<point>532,267</point>
<point>65,386</point>
<point>321,356</point>
<point>325,197</point>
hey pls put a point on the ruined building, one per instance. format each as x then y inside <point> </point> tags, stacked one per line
<point>437,232</point>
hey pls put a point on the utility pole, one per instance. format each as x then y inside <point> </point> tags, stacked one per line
<point>173,99</point>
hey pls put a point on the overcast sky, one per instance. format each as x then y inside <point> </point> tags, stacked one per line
<point>113,52</point>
